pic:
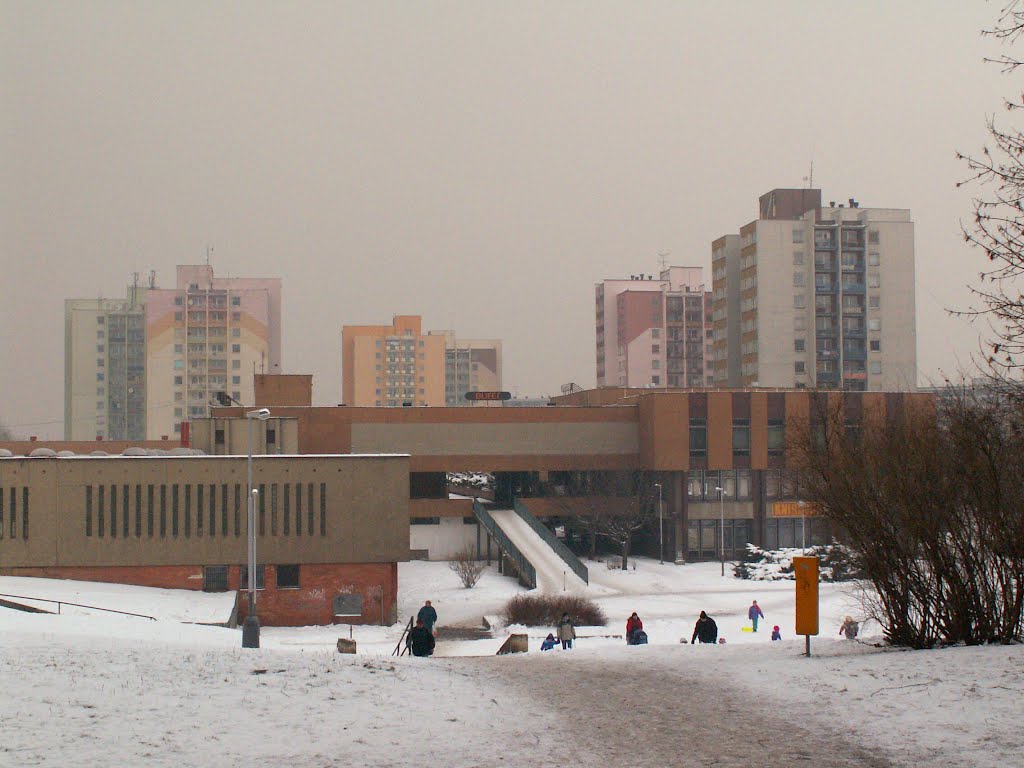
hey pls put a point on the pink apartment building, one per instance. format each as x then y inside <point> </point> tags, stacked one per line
<point>654,332</point>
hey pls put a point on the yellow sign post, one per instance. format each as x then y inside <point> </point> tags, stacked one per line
<point>806,572</point>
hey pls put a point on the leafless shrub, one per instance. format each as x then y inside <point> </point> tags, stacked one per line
<point>467,567</point>
<point>546,610</point>
<point>932,504</point>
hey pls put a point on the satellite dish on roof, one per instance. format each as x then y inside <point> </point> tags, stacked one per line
<point>43,453</point>
<point>135,451</point>
<point>99,453</point>
<point>65,454</point>
<point>5,453</point>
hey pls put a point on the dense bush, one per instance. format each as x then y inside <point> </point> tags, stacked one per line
<point>837,563</point>
<point>546,610</point>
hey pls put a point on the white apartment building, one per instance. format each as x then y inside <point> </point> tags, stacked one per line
<point>816,296</point>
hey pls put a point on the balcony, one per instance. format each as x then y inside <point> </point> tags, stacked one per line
<point>853,288</point>
<point>825,289</point>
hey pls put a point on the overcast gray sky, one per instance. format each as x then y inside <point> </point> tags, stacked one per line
<point>480,163</point>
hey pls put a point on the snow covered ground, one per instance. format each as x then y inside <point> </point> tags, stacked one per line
<point>94,689</point>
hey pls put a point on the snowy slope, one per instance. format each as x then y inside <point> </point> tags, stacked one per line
<point>553,575</point>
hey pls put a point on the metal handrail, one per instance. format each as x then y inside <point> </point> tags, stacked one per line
<point>78,605</point>
<point>527,573</point>
<point>574,563</point>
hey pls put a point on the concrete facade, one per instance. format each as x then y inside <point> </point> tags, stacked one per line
<point>826,296</point>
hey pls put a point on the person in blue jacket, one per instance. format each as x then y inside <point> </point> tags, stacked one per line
<point>549,642</point>
<point>754,613</point>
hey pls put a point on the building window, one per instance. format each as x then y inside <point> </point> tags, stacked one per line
<point>798,279</point>
<point>101,320</point>
<point>874,324</point>
<point>776,437</point>
<point>99,376</point>
<point>178,381</point>
<point>236,348</point>
<point>656,380</point>
<point>799,345</point>
<point>875,345</point>
<point>799,367</point>
<point>799,301</point>
<point>798,258</point>
<point>236,379</point>
<point>287,576</point>
<point>698,437</point>
<point>655,364</point>
<point>215,578</point>
<point>741,437</point>
<point>875,366</point>
<point>243,577</point>
<point>179,317</point>
<point>798,235</point>
<point>236,365</point>
<point>218,437</point>
<point>873,236</point>
<point>873,259</point>
<point>799,323</point>
<point>236,317</point>
<point>874,302</point>
<point>236,301</point>
<point>655,333</point>
<point>874,280</point>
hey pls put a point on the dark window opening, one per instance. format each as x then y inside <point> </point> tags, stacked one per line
<point>287,577</point>
<point>243,577</point>
<point>215,578</point>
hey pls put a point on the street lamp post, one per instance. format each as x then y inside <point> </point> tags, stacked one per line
<point>661,527</point>
<point>251,625</point>
<point>721,526</point>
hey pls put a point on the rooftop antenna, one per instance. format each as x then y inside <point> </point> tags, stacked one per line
<point>663,259</point>
<point>135,287</point>
<point>152,278</point>
<point>209,250</point>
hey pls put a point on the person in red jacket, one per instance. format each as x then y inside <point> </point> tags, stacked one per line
<point>633,625</point>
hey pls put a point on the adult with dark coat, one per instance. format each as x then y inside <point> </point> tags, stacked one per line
<point>633,624</point>
<point>428,616</point>
<point>420,641</point>
<point>705,630</point>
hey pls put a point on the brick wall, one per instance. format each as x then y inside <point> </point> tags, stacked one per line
<point>311,603</point>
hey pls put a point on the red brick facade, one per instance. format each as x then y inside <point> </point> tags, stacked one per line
<point>308,604</point>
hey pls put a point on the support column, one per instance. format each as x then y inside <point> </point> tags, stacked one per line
<point>680,513</point>
<point>758,493</point>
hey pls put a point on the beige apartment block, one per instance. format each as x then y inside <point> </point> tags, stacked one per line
<point>389,365</point>
<point>470,365</point>
<point>139,367</point>
<point>816,296</point>
<point>654,332</point>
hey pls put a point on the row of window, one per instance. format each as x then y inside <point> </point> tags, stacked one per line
<point>703,485</point>
<point>740,437</point>
<point>703,536</point>
<point>200,510</point>
<point>9,512</point>
<point>215,577</point>
<point>437,521</point>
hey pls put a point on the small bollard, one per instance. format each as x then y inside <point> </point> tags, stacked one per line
<point>345,645</point>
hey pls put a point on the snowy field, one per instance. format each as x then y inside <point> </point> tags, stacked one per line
<point>95,689</point>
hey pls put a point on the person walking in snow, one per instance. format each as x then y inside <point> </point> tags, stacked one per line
<point>705,630</point>
<point>428,616</point>
<point>566,631</point>
<point>633,625</point>
<point>420,640</point>
<point>850,628</point>
<point>754,612</point>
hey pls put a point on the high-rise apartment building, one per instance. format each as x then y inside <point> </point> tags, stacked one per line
<point>389,365</point>
<point>816,297</point>
<point>398,364</point>
<point>137,368</point>
<point>470,365</point>
<point>654,333</point>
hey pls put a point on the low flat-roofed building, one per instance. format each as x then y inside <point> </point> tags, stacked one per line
<point>327,526</point>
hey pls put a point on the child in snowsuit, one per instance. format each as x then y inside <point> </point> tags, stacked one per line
<point>633,625</point>
<point>850,628</point>
<point>776,635</point>
<point>754,612</point>
<point>549,642</point>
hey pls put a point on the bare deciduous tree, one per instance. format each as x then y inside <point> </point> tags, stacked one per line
<point>932,504</point>
<point>997,226</point>
<point>467,567</point>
